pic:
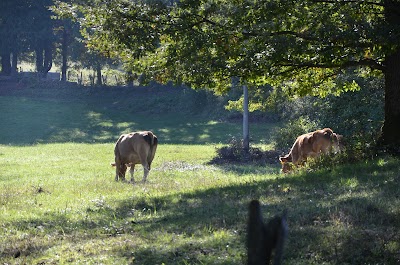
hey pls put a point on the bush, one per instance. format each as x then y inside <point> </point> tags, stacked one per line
<point>357,115</point>
<point>234,152</point>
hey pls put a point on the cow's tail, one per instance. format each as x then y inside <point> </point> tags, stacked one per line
<point>152,140</point>
<point>116,152</point>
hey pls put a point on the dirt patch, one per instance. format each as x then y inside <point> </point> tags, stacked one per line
<point>182,166</point>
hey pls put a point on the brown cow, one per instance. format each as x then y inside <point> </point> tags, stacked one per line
<point>134,148</point>
<point>311,144</point>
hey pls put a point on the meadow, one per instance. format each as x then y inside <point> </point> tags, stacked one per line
<point>59,203</point>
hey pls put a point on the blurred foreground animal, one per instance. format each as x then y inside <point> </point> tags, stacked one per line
<point>134,148</point>
<point>262,238</point>
<point>311,144</point>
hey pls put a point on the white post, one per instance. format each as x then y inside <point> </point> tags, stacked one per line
<point>246,138</point>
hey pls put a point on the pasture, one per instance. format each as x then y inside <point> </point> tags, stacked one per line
<point>59,203</point>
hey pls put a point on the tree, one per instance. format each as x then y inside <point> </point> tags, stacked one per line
<point>42,37</point>
<point>25,26</point>
<point>306,46</point>
<point>12,33</point>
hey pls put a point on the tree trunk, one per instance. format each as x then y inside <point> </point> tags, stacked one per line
<point>98,73</point>
<point>246,138</point>
<point>64,54</point>
<point>39,60</point>
<point>5,63</point>
<point>48,59</point>
<point>14,62</point>
<point>391,126</point>
<point>44,60</point>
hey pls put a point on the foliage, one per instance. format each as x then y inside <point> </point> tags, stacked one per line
<point>350,115</point>
<point>234,153</point>
<point>26,26</point>
<point>205,43</point>
<point>307,47</point>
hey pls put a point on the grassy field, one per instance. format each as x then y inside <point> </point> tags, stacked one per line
<point>59,203</point>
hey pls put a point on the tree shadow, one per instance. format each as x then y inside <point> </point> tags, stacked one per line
<point>100,115</point>
<point>317,205</point>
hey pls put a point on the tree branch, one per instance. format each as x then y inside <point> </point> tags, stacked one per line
<point>349,1</point>
<point>363,62</point>
<point>281,33</point>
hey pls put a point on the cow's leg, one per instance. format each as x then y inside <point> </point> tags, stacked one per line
<point>146,169</point>
<point>117,166</point>
<point>131,171</point>
<point>121,170</point>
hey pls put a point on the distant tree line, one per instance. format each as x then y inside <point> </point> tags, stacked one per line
<point>29,30</point>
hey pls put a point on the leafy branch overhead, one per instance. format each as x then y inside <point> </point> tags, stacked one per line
<point>204,43</point>
<point>309,47</point>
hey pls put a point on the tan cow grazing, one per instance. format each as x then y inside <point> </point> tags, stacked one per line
<point>310,144</point>
<point>134,148</point>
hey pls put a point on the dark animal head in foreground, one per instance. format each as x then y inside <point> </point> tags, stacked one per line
<point>263,239</point>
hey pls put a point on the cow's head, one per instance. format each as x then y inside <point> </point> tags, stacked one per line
<point>285,162</point>
<point>286,167</point>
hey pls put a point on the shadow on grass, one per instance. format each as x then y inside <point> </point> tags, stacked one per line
<point>177,116</point>
<point>344,216</point>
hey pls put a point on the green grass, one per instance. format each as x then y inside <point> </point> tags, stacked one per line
<point>59,203</point>
<point>98,115</point>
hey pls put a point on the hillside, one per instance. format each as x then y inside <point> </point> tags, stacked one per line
<point>55,112</point>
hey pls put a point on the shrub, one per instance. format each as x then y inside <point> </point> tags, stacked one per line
<point>234,152</point>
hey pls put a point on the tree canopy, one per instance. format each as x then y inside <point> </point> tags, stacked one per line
<point>26,25</point>
<point>305,46</point>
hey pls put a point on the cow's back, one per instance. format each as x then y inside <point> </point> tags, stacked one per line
<point>322,140</point>
<point>130,146</point>
<point>311,144</point>
<point>302,147</point>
